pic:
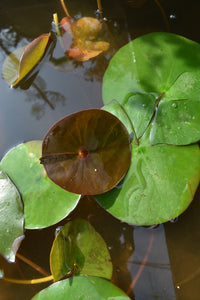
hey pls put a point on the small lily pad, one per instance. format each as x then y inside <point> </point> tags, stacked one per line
<point>79,250</point>
<point>87,152</point>
<point>45,203</point>
<point>11,218</point>
<point>82,288</point>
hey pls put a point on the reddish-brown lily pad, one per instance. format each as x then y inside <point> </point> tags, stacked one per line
<point>87,152</point>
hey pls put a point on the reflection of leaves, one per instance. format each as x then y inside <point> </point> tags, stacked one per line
<point>81,38</point>
<point>41,98</point>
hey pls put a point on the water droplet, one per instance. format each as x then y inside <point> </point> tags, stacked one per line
<point>95,170</point>
<point>57,230</point>
<point>178,287</point>
<point>178,127</point>
<point>105,19</point>
<point>144,105</point>
<point>174,105</point>
<point>193,118</point>
<point>174,220</point>
<point>172,16</point>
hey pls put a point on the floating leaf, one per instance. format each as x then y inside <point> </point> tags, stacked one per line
<point>80,38</point>
<point>11,66</point>
<point>44,202</point>
<point>23,60</point>
<point>87,152</point>
<point>78,249</point>
<point>11,218</point>
<point>83,288</point>
<point>159,185</point>
<point>161,66</point>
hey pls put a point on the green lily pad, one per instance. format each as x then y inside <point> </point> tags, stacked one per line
<point>177,119</point>
<point>82,288</point>
<point>23,60</point>
<point>11,218</point>
<point>159,185</point>
<point>79,250</point>
<point>164,66</point>
<point>45,203</point>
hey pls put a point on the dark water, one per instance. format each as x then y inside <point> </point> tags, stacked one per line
<point>172,269</point>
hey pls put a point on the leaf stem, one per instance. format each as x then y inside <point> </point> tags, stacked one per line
<point>32,264</point>
<point>159,98</point>
<point>137,276</point>
<point>99,6</point>
<point>55,19</point>
<point>29,281</point>
<point>65,8</point>
<point>163,14</point>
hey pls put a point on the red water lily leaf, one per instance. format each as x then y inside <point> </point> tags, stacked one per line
<point>80,38</point>
<point>87,152</point>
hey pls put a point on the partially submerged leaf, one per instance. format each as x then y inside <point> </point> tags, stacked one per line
<point>87,152</point>
<point>81,38</point>
<point>79,250</point>
<point>23,60</point>
<point>83,288</point>
<point>163,66</point>
<point>45,203</point>
<point>159,185</point>
<point>11,218</point>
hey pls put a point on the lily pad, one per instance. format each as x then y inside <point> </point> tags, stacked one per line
<point>45,203</point>
<point>11,218</point>
<point>23,60</point>
<point>79,250</point>
<point>87,152</point>
<point>84,288</point>
<point>163,66</point>
<point>159,185</point>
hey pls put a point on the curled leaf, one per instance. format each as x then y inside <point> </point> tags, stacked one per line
<point>22,61</point>
<point>79,250</point>
<point>87,152</point>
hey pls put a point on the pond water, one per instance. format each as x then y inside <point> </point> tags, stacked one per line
<point>150,263</point>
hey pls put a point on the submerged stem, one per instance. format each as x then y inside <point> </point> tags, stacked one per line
<point>99,6</point>
<point>137,276</point>
<point>65,8</point>
<point>32,264</point>
<point>29,281</point>
<point>163,14</point>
